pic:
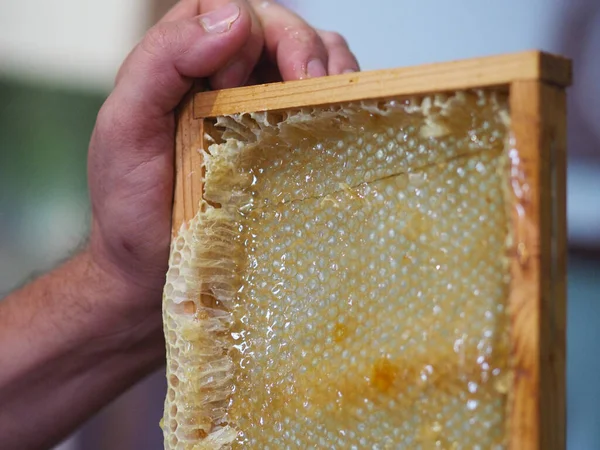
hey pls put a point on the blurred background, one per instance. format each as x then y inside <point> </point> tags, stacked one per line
<point>57,63</point>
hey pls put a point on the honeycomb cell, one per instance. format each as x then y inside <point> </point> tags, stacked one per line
<point>350,289</point>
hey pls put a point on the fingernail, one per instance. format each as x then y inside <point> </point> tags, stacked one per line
<point>350,71</point>
<point>220,20</point>
<point>315,68</point>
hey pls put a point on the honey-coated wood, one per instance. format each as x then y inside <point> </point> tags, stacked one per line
<point>536,84</point>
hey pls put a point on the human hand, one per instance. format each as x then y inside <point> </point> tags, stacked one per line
<point>230,43</point>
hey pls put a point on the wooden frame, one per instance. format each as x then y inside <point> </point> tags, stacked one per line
<point>536,85</point>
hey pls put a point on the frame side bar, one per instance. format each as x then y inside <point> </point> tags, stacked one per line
<point>466,74</point>
<point>538,267</point>
<point>188,165</point>
<point>553,270</point>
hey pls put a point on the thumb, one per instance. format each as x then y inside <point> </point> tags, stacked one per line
<point>159,71</point>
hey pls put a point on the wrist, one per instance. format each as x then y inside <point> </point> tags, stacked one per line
<point>128,260</point>
<point>77,332</point>
<point>121,316</point>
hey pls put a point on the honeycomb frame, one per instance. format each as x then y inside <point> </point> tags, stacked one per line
<point>535,83</point>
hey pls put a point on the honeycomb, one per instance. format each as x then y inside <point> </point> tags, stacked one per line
<point>344,282</point>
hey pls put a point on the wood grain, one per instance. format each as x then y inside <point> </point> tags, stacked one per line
<point>189,143</point>
<point>538,267</point>
<point>537,302</point>
<point>471,73</point>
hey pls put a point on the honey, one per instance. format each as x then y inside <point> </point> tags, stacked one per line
<point>349,280</point>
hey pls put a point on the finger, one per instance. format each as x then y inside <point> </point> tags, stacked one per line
<point>238,71</point>
<point>138,113</point>
<point>161,68</point>
<point>183,9</point>
<point>186,9</point>
<point>340,58</point>
<point>290,42</point>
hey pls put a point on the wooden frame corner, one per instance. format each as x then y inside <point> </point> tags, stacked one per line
<point>536,83</point>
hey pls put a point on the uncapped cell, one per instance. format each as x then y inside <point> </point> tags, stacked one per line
<point>344,283</point>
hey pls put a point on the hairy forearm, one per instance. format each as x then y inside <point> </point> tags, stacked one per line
<point>64,352</point>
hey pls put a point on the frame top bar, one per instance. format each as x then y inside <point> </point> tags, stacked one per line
<point>439,77</point>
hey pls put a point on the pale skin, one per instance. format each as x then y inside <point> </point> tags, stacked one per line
<point>80,335</point>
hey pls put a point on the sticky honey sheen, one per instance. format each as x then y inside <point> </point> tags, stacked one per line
<point>344,284</point>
